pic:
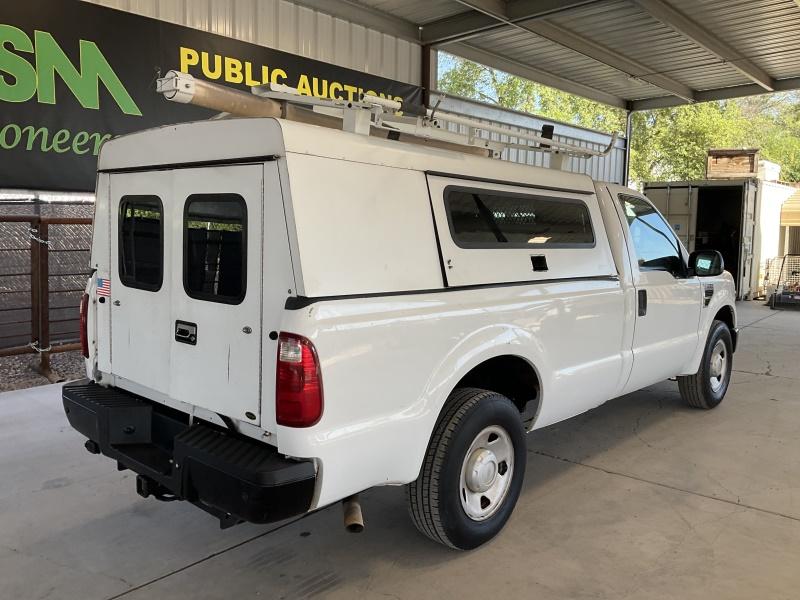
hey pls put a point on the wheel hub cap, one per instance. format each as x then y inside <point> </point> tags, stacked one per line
<point>718,366</point>
<point>481,470</point>
<point>486,473</point>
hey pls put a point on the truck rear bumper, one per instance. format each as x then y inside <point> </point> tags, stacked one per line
<point>228,475</point>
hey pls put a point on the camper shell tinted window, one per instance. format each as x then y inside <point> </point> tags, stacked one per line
<point>141,242</point>
<point>215,247</point>
<point>480,218</point>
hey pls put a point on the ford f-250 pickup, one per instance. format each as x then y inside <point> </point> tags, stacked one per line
<point>284,315</point>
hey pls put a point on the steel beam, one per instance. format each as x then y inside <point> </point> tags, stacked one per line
<point>487,16</point>
<point>459,27</point>
<point>626,169</point>
<point>608,57</point>
<point>705,39</point>
<point>737,91</point>
<point>430,76</point>
<point>493,8</point>
<point>534,74</point>
<point>361,14</point>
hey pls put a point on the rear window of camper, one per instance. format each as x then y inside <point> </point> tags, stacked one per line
<point>215,247</point>
<point>141,242</point>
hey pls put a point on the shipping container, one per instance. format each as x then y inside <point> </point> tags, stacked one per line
<point>739,217</point>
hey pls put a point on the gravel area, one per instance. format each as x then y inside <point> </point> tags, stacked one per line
<point>19,372</point>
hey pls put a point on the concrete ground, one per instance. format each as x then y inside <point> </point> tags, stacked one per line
<point>640,498</point>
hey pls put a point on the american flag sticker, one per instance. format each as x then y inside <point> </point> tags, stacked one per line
<point>103,287</point>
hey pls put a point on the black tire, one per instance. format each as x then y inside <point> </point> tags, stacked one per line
<point>434,499</point>
<point>697,390</point>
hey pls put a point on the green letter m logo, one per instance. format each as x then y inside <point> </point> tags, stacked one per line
<point>85,85</point>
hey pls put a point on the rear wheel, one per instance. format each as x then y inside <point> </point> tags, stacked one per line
<point>706,388</point>
<point>473,470</point>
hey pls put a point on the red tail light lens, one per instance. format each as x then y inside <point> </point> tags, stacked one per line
<point>84,326</point>
<point>298,394</point>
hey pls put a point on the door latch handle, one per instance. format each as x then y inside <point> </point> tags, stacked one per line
<point>186,333</point>
<point>642,295</point>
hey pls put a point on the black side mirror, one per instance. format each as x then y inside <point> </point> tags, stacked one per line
<point>706,263</point>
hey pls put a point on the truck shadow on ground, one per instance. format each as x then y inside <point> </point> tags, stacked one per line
<point>314,555</point>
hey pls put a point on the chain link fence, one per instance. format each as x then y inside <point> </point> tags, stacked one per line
<point>44,265</point>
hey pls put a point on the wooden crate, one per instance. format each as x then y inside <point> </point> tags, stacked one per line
<point>730,164</point>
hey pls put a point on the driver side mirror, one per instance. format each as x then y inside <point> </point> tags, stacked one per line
<point>706,263</point>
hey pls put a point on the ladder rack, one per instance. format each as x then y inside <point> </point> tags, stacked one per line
<point>368,115</point>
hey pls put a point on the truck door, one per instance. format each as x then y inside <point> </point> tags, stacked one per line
<point>746,252</point>
<point>138,284</point>
<point>668,302</point>
<point>215,313</point>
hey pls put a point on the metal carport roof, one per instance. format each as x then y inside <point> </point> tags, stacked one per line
<point>634,54</point>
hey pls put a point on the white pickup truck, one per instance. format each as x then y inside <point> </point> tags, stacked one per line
<point>283,316</point>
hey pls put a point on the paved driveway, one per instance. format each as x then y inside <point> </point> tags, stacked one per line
<point>640,498</point>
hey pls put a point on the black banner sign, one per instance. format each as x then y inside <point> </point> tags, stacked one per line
<point>73,74</point>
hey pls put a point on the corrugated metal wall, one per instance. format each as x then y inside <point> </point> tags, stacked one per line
<point>285,26</point>
<point>608,168</point>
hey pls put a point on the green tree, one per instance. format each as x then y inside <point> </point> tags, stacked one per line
<point>672,143</point>
<point>467,79</point>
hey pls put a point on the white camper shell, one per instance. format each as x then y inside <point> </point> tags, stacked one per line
<point>284,315</point>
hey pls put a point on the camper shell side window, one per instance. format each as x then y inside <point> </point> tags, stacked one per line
<point>141,242</point>
<point>484,218</point>
<point>215,247</point>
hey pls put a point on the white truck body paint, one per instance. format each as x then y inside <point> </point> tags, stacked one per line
<point>349,245</point>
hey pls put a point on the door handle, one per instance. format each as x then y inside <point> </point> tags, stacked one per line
<point>186,332</point>
<point>642,295</point>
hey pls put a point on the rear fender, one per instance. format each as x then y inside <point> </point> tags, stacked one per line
<point>476,348</point>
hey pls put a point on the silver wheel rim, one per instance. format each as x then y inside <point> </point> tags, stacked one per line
<point>486,473</point>
<point>718,367</point>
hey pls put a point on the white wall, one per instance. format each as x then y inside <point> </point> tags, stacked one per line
<point>608,168</point>
<point>773,195</point>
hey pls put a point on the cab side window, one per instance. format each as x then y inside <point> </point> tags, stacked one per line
<point>655,243</point>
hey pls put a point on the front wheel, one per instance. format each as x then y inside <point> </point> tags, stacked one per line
<point>706,388</point>
<point>473,470</point>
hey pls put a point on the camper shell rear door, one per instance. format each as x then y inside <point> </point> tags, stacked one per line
<point>201,337</point>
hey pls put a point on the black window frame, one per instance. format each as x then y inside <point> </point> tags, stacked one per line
<point>123,278</point>
<point>514,245</point>
<point>238,199</point>
<point>684,272</point>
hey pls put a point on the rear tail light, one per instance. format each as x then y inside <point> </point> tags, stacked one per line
<point>85,326</point>
<point>298,394</point>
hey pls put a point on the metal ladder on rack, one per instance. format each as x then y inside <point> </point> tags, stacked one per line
<point>367,115</point>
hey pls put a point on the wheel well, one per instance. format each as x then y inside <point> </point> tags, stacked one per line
<point>725,314</point>
<point>511,376</point>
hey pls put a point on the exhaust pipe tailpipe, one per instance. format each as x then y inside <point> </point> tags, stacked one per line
<point>353,519</point>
